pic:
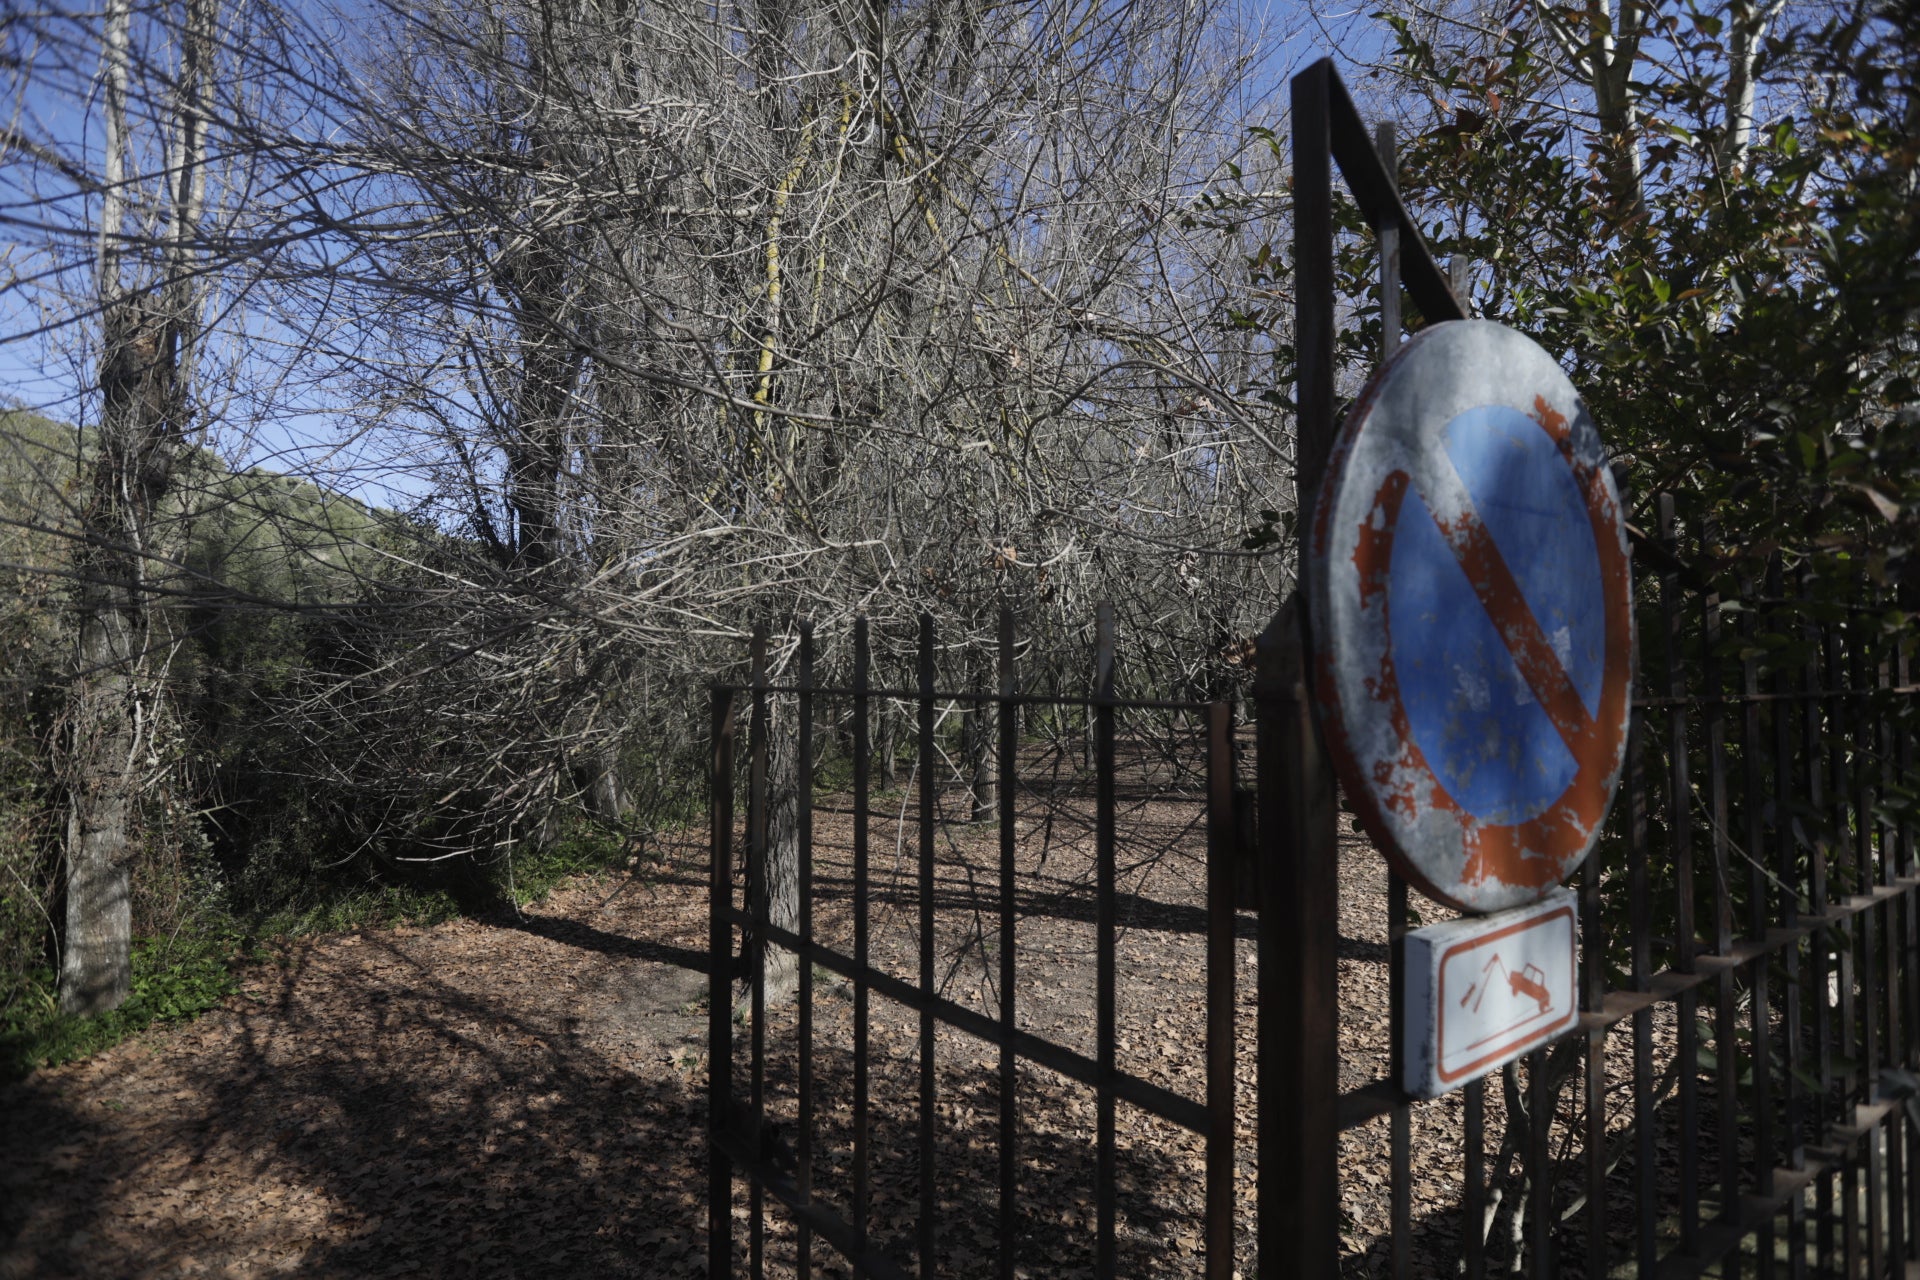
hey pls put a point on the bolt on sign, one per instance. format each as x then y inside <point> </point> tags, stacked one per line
<point>1472,624</point>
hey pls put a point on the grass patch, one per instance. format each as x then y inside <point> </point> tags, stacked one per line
<point>586,848</point>
<point>373,907</point>
<point>179,977</point>
<point>173,980</point>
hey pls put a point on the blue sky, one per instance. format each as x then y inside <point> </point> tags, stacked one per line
<point>299,434</point>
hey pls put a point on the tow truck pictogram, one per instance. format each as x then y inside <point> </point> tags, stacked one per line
<point>1531,982</point>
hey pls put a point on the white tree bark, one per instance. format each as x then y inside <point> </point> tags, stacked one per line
<point>1748,23</point>
<point>146,331</point>
<point>96,971</point>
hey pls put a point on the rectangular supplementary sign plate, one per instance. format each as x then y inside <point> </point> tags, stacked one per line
<point>1483,990</point>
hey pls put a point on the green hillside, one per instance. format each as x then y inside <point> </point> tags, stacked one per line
<point>244,566</point>
<point>255,533</point>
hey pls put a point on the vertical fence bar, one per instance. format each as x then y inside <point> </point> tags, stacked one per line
<point>1400,1119</point>
<point>1640,914</point>
<point>1793,998</point>
<point>1593,990</point>
<point>1299,1019</point>
<point>929,798</point>
<point>862,785</point>
<point>1875,672</point>
<point>1105,1029</point>
<point>1894,1049</point>
<point>803,840</point>
<point>1680,829</point>
<point>1009,1099</point>
<point>720,988</point>
<point>1473,1123</point>
<point>1540,1108</point>
<point>1819,986</point>
<point>1593,977</point>
<point>1859,680</point>
<point>1299,1013</point>
<point>1909,925</point>
<point>1312,284</point>
<point>1726,1030</point>
<point>758,888</point>
<point>1844,875</point>
<point>1220,991</point>
<point>1473,1224</point>
<point>1388,233</point>
<point>1760,1015</point>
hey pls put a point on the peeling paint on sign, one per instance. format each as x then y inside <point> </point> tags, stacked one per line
<point>1472,617</point>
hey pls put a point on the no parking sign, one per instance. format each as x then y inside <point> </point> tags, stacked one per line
<point>1473,656</point>
<point>1472,617</point>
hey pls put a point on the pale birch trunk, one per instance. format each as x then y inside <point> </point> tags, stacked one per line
<point>145,334</point>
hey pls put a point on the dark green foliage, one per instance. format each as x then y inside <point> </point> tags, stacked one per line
<point>1746,340</point>
<point>173,979</point>
<point>231,838</point>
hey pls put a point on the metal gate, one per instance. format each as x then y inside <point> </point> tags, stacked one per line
<point>1736,1097</point>
<point>748,1140</point>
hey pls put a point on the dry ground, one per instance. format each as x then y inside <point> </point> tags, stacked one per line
<point>526,1097</point>
<point>486,1099</point>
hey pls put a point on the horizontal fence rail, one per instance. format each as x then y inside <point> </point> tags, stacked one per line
<point>749,1143</point>
<point>1755,897</point>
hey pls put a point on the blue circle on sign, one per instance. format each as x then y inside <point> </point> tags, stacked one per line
<point>1469,709</point>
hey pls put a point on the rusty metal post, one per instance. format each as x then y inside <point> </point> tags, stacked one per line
<point>1299,1017</point>
<point>720,989</point>
<point>1220,985</point>
<point>1298,870</point>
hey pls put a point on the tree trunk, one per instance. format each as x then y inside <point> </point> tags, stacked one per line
<point>96,954</point>
<point>142,415</point>
<point>129,476</point>
<point>981,756</point>
<point>781,883</point>
<point>888,740</point>
<point>1602,51</point>
<point>607,799</point>
<point>1748,30</point>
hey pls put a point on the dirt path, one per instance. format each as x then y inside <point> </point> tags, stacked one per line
<point>474,1099</point>
<point>527,1098</point>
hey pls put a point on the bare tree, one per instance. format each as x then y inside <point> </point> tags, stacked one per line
<point>147,313</point>
<point>705,328</point>
<point>664,319</point>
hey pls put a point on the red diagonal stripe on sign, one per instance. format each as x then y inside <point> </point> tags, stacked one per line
<point>1500,595</point>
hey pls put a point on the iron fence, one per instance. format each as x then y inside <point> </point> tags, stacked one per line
<point>1783,1148</point>
<point>1737,1096</point>
<point>744,1135</point>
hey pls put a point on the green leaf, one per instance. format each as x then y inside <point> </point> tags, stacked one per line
<point>1809,450</point>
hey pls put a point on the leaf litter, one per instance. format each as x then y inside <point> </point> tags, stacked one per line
<point>523,1097</point>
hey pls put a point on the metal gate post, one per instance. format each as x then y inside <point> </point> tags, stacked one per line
<point>1299,1019</point>
<point>720,989</point>
<point>1297,871</point>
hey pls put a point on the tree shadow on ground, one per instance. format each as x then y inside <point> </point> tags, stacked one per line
<point>1159,1184</point>
<point>573,933</point>
<point>401,1125</point>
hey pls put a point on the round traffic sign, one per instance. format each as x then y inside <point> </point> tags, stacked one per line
<point>1472,616</point>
